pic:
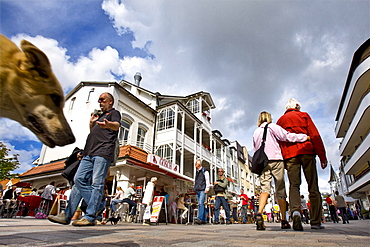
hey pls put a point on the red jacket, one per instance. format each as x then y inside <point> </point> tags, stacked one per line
<point>296,121</point>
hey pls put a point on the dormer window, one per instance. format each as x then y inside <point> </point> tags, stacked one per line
<point>193,106</point>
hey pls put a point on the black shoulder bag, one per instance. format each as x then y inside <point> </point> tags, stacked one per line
<point>260,159</point>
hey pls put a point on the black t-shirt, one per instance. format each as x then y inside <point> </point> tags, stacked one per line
<point>102,142</point>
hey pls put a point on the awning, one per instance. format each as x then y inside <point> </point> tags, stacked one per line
<point>23,184</point>
<point>160,170</point>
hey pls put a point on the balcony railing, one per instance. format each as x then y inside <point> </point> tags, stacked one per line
<point>145,146</point>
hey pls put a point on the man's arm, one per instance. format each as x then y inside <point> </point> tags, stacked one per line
<point>317,142</point>
<point>108,125</point>
<point>208,185</point>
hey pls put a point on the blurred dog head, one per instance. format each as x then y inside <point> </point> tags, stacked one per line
<point>31,94</point>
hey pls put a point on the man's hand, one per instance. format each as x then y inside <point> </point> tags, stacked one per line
<point>324,164</point>
<point>108,125</point>
<point>206,191</point>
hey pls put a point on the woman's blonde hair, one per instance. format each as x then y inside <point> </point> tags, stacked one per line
<point>119,188</point>
<point>264,117</point>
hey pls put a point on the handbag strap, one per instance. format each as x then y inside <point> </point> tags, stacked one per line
<point>264,134</point>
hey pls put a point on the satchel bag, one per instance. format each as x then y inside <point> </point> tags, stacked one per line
<point>260,159</point>
<point>218,188</point>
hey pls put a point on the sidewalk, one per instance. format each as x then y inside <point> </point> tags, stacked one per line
<point>40,232</point>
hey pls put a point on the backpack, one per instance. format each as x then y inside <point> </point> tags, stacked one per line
<point>71,166</point>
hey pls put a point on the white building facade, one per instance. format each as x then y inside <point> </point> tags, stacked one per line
<point>160,135</point>
<point>353,127</point>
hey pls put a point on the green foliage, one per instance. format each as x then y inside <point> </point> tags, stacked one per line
<point>7,164</point>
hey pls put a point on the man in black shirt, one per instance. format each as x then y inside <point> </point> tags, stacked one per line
<point>98,155</point>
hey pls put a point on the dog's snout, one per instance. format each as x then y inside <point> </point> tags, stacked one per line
<point>35,124</point>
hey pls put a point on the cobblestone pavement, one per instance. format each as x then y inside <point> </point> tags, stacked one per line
<point>40,232</point>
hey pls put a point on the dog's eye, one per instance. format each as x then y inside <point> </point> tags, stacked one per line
<point>56,99</point>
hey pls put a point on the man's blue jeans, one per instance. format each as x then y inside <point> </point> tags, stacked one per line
<point>244,210</point>
<point>202,213</point>
<point>220,200</point>
<point>127,200</point>
<point>89,184</point>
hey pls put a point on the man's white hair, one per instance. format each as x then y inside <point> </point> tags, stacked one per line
<point>293,103</point>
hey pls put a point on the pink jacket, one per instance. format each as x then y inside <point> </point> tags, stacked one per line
<point>275,133</point>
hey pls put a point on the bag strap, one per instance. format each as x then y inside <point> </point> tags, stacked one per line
<point>264,134</point>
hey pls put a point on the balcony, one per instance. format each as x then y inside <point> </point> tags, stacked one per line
<point>359,85</point>
<point>359,157</point>
<point>357,129</point>
<point>361,184</point>
<point>145,146</point>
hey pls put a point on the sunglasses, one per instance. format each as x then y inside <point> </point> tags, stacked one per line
<point>220,171</point>
<point>101,100</point>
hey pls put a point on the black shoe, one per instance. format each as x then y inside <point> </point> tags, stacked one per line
<point>228,222</point>
<point>317,227</point>
<point>259,222</point>
<point>198,222</point>
<point>297,223</point>
<point>216,223</point>
<point>285,224</point>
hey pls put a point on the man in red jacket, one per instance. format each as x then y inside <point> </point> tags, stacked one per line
<point>302,154</point>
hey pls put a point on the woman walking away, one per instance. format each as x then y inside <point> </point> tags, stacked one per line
<point>275,167</point>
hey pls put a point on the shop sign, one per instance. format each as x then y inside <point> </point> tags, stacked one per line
<point>157,205</point>
<point>163,163</point>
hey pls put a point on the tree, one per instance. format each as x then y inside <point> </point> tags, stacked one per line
<point>7,164</point>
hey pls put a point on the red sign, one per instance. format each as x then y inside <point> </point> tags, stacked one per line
<point>163,163</point>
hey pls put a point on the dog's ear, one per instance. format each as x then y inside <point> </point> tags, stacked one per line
<point>37,60</point>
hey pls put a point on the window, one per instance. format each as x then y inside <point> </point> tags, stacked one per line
<point>166,119</point>
<point>124,130</point>
<point>72,103</point>
<point>141,137</point>
<point>193,105</point>
<point>165,151</point>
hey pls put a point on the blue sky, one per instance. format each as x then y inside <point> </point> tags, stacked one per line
<point>250,55</point>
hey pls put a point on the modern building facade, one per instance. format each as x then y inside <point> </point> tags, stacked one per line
<point>353,126</point>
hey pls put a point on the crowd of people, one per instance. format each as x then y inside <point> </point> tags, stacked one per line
<point>291,144</point>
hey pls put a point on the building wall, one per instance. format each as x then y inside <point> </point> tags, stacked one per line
<point>353,127</point>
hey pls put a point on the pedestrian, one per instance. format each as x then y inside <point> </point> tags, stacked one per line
<point>332,209</point>
<point>299,156</point>
<point>234,208</point>
<point>220,187</point>
<point>275,166</point>
<point>304,209</point>
<point>201,188</point>
<point>48,196</point>
<point>342,206</point>
<point>98,154</point>
<point>243,198</point>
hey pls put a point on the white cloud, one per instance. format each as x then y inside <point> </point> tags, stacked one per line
<point>11,130</point>
<point>25,157</point>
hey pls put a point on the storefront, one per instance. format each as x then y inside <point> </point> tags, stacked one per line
<point>138,167</point>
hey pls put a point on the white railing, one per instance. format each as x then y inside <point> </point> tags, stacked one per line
<point>145,146</point>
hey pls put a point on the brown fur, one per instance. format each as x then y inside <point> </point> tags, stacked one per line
<point>31,94</point>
